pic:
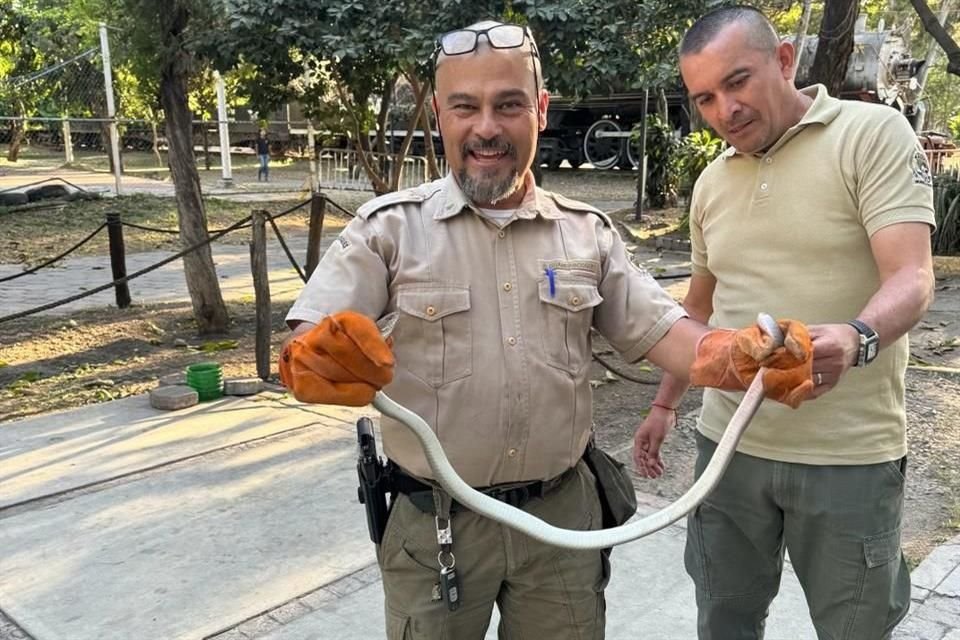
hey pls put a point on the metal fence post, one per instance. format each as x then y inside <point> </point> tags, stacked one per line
<point>118,260</point>
<point>318,209</point>
<point>111,110</point>
<point>67,141</point>
<point>261,293</point>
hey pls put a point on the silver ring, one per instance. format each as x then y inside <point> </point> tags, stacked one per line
<point>819,379</point>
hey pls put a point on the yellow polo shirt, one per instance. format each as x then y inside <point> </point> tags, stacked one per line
<point>788,232</point>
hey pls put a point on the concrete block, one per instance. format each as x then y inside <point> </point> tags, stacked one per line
<point>173,378</point>
<point>173,397</point>
<point>914,628</point>
<point>241,386</point>
<point>290,612</point>
<point>936,567</point>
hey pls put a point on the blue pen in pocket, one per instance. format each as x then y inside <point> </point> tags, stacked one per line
<point>552,279</point>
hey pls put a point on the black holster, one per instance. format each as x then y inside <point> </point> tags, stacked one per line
<point>374,476</point>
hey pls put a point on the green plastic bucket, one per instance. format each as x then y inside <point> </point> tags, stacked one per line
<point>207,379</point>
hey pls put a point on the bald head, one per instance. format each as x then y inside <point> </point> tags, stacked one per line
<point>759,33</point>
<point>528,48</point>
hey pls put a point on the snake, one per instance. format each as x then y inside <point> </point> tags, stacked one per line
<point>446,476</point>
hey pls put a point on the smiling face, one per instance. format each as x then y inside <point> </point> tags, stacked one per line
<point>487,107</point>
<point>745,93</point>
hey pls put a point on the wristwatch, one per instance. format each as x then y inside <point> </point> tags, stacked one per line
<point>869,343</point>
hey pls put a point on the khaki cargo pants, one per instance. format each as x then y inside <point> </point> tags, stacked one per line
<point>841,526</point>
<point>541,591</point>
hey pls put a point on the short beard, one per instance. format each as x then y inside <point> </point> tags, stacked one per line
<point>488,190</point>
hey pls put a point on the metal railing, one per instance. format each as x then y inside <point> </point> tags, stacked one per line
<point>343,170</point>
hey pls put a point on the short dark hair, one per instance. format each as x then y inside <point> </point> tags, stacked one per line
<point>761,34</point>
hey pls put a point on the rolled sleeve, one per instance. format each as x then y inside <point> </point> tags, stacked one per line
<point>636,312</point>
<point>351,275</point>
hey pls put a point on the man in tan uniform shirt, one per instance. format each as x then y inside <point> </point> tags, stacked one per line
<point>819,210</point>
<point>498,284</point>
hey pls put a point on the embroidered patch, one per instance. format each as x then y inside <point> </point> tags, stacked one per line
<point>921,169</point>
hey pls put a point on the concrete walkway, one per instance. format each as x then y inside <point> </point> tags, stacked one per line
<point>237,519</point>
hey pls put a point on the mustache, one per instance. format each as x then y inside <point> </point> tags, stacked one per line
<point>498,144</point>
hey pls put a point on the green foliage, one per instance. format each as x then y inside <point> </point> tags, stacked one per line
<point>662,168</point>
<point>696,151</point>
<point>946,203</point>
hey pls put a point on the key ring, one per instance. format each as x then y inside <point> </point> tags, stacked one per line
<point>453,560</point>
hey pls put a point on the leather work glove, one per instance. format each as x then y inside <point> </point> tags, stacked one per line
<point>343,360</point>
<point>729,360</point>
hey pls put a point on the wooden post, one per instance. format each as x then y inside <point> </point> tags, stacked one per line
<point>206,145</point>
<point>318,208</point>
<point>118,261</point>
<point>261,292</point>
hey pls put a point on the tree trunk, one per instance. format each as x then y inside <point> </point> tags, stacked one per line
<point>939,34</point>
<point>16,139</point>
<point>801,34</point>
<point>933,49</point>
<point>208,308</point>
<point>835,44</point>
<point>433,169</point>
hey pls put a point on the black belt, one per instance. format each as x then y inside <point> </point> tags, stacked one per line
<point>516,495</point>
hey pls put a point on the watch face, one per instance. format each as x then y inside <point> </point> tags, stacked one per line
<point>871,351</point>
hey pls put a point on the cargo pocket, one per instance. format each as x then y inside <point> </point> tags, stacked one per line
<point>566,314</point>
<point>881,549</point>
<point>885,587</point>
<point>433,338</point>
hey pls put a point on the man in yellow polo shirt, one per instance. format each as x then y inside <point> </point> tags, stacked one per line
<point>819,210</point>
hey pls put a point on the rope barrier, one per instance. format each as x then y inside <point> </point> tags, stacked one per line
<point>79,296</point>
<point>56,259</point>
<point>286,249</point>
<point>345,212</point>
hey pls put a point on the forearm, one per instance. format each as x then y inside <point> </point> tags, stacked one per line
<point>682,345</point>
<point>899,304</point>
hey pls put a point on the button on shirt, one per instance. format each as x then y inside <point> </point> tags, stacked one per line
<point>493,341</point>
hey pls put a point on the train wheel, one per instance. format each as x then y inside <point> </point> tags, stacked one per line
<point>634,154</point>
<point>602,152</point>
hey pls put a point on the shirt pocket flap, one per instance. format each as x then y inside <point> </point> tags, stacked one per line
<point>433,303</point>
<point>572,296</point>
<point>881,549</point>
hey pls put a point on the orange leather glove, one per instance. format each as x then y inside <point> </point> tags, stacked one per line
<point>729,360</point>
<point>343,360</point>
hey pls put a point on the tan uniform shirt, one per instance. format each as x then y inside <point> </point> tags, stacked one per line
<point>788,232</point>
<point>488,352</point>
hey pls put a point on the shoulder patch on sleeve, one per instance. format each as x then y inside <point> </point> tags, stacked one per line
<point>921,169</point>
<point>388,200</point>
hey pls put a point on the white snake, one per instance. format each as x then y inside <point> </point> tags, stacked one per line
<point>534,527</point>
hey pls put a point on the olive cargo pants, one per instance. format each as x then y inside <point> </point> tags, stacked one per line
<point>841,526</point>
<point>541,591</point>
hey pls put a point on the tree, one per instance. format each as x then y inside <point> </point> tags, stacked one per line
<point>835,44</point>
<point>167,38</point>
<point>940,34</point>
<point>358,51</point>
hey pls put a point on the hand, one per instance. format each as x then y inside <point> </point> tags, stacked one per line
<point>835,348</point>
<point>647,440</point>
<point>343,360</point>
<point>730,360</point>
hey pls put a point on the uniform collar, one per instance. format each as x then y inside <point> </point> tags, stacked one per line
<point>533,204</point>
<point>823,111</point>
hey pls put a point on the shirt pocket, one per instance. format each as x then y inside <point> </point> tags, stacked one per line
<point>566,315</point>
<point>433,339</point>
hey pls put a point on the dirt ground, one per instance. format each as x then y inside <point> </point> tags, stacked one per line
<point>55,363</point>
